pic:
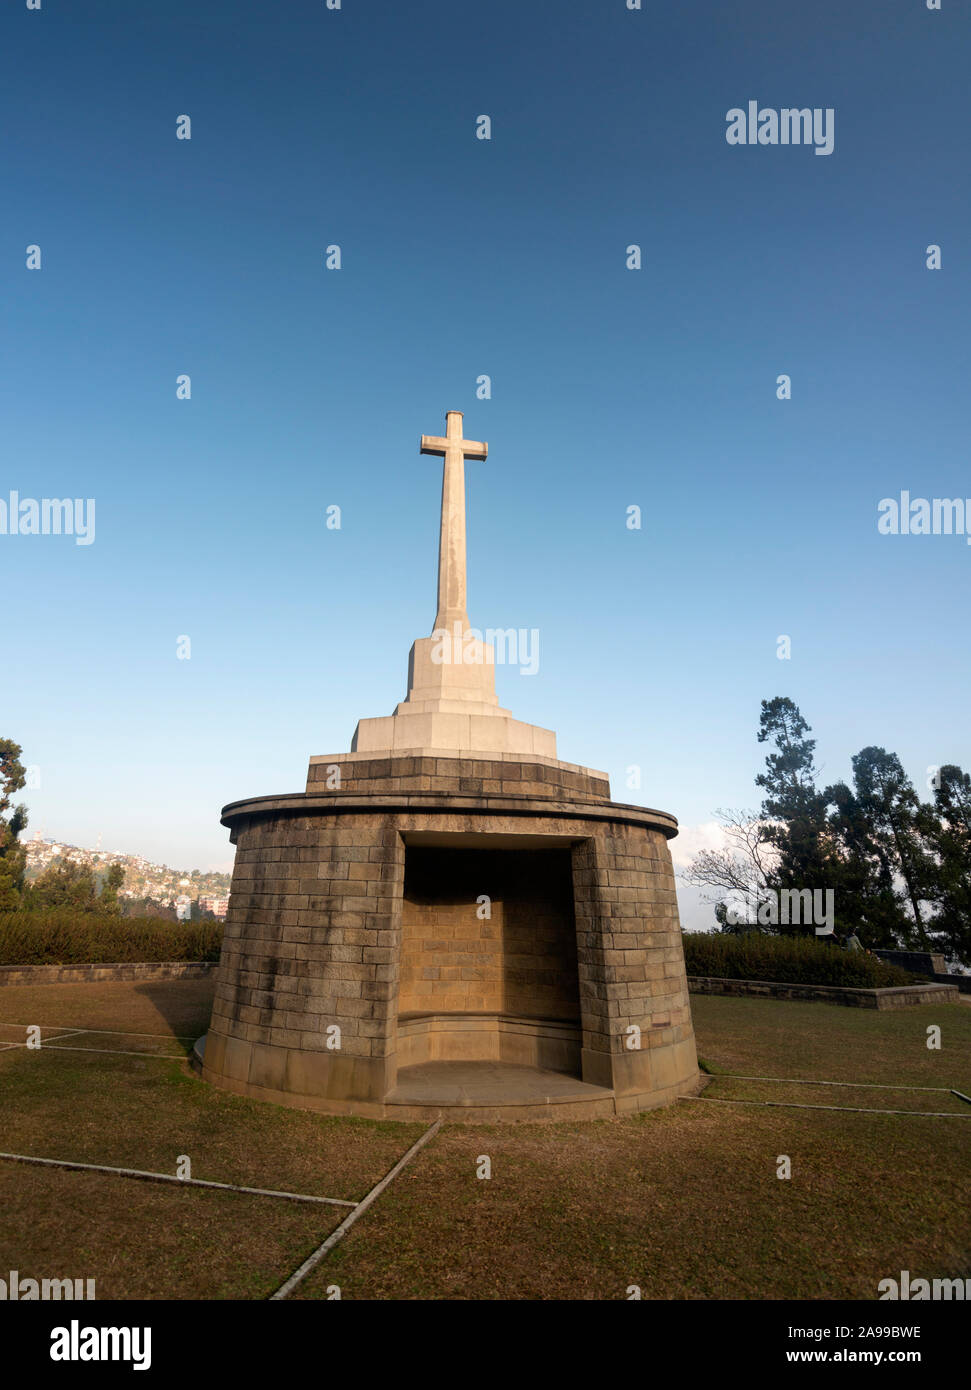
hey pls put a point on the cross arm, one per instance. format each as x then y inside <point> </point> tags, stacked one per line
<point>436,444</point>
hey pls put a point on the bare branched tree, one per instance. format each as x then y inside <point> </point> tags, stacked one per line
<point>740,872</point>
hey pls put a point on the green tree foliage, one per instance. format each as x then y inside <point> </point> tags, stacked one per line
<point>113,880</point>
<point>948,832</point>
<point>899,868</point>
<point>148,907</point>
<point>13,819</point>
<point>882,829</point>
<point>63,884</point>
<point>793,810</point>
<point>866,900</point>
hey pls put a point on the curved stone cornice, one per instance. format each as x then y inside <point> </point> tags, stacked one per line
<point>438,803</point>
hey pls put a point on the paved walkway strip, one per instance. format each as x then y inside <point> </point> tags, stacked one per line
<point>848,1109</point>
<point>113,1032</point>
<point>62,1033</point>
<point>806,1081</point>
<point>58,1038</point>
<point>112,1052</point>
<point>181,1182</point>
<point>101,1051</point>
<point>312,1261</point>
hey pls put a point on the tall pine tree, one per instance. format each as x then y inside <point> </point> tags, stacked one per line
<point>893,826</point>
<point>948,830</point>
<point>793,810</point>
<point>867,899</point>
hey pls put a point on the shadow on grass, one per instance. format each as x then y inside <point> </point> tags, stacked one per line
<point>186,1013</point>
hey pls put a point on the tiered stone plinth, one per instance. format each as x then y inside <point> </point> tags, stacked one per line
<point>452,707</point>
<point>406,913</point>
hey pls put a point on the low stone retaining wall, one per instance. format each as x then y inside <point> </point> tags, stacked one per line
<point>927,963</point>
<point>894,997</point>
<point>119,970</point>
<point>962,983</point>
<point>918,962</point>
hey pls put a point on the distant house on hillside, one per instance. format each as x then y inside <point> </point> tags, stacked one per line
<point>217,906</point>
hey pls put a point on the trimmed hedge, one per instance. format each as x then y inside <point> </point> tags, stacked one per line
<point>65,936</point>
<point>799,960</point>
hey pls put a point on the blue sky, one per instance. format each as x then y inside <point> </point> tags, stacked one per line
<point>464,257</point>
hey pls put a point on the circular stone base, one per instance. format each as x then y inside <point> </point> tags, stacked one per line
<point>359,976</point>
<point>475,1093</point>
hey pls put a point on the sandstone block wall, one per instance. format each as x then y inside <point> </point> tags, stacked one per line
<point>521,959</point>
<point>631,961</point>
<point>326,926</point>
<point>313,933</point>
<point>481,777</point>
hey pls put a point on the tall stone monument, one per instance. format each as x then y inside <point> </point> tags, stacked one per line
<point>449,920</point>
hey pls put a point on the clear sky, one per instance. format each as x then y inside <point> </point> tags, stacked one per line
<point>464,257</point>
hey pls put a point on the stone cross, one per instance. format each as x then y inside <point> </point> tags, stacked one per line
<point>451,546</point>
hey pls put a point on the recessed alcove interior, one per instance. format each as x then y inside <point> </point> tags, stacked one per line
<point>489,952</point>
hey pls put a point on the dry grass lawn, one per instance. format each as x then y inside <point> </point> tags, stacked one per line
<point>683,1202</point>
